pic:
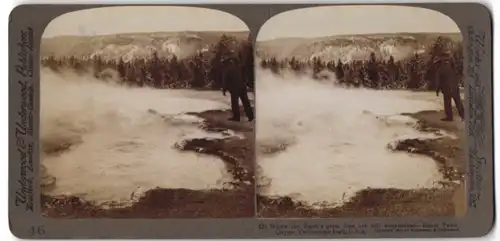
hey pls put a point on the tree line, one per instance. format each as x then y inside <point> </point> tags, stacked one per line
<point>203,70</point>
<point>415,73</point>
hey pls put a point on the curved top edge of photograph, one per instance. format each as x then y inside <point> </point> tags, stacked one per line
<point>356,20</point>
<point>142,19</point>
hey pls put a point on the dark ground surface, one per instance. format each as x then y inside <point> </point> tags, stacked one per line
<point>237,202</point>
<point>447,200</point>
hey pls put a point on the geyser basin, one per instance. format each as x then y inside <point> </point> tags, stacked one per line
<point>336,140</point>
<point>115,146</point>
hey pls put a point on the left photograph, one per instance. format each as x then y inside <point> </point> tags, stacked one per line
<point>147,112</point>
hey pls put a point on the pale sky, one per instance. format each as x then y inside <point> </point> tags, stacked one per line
<point>111,20</point>
<point>345,20</point>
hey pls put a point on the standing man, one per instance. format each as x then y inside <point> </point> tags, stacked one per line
<point>234,82</point>
<point>447,83</point>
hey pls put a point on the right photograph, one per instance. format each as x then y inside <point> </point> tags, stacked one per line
<point>360,113</point>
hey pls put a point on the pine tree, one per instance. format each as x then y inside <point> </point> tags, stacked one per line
<point>393,72</point>
<point>372,70</point>
<point>121,69</point>
<point>197,70</point>
<point>220,52</point>
<point>97,65</point>
<point>155,71</point>
<point>246,57</point>
<point>414,76</point>
<point>339,72</point>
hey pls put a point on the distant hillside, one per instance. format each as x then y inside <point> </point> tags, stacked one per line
<point>352,47</point>
<point>133,45</point>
